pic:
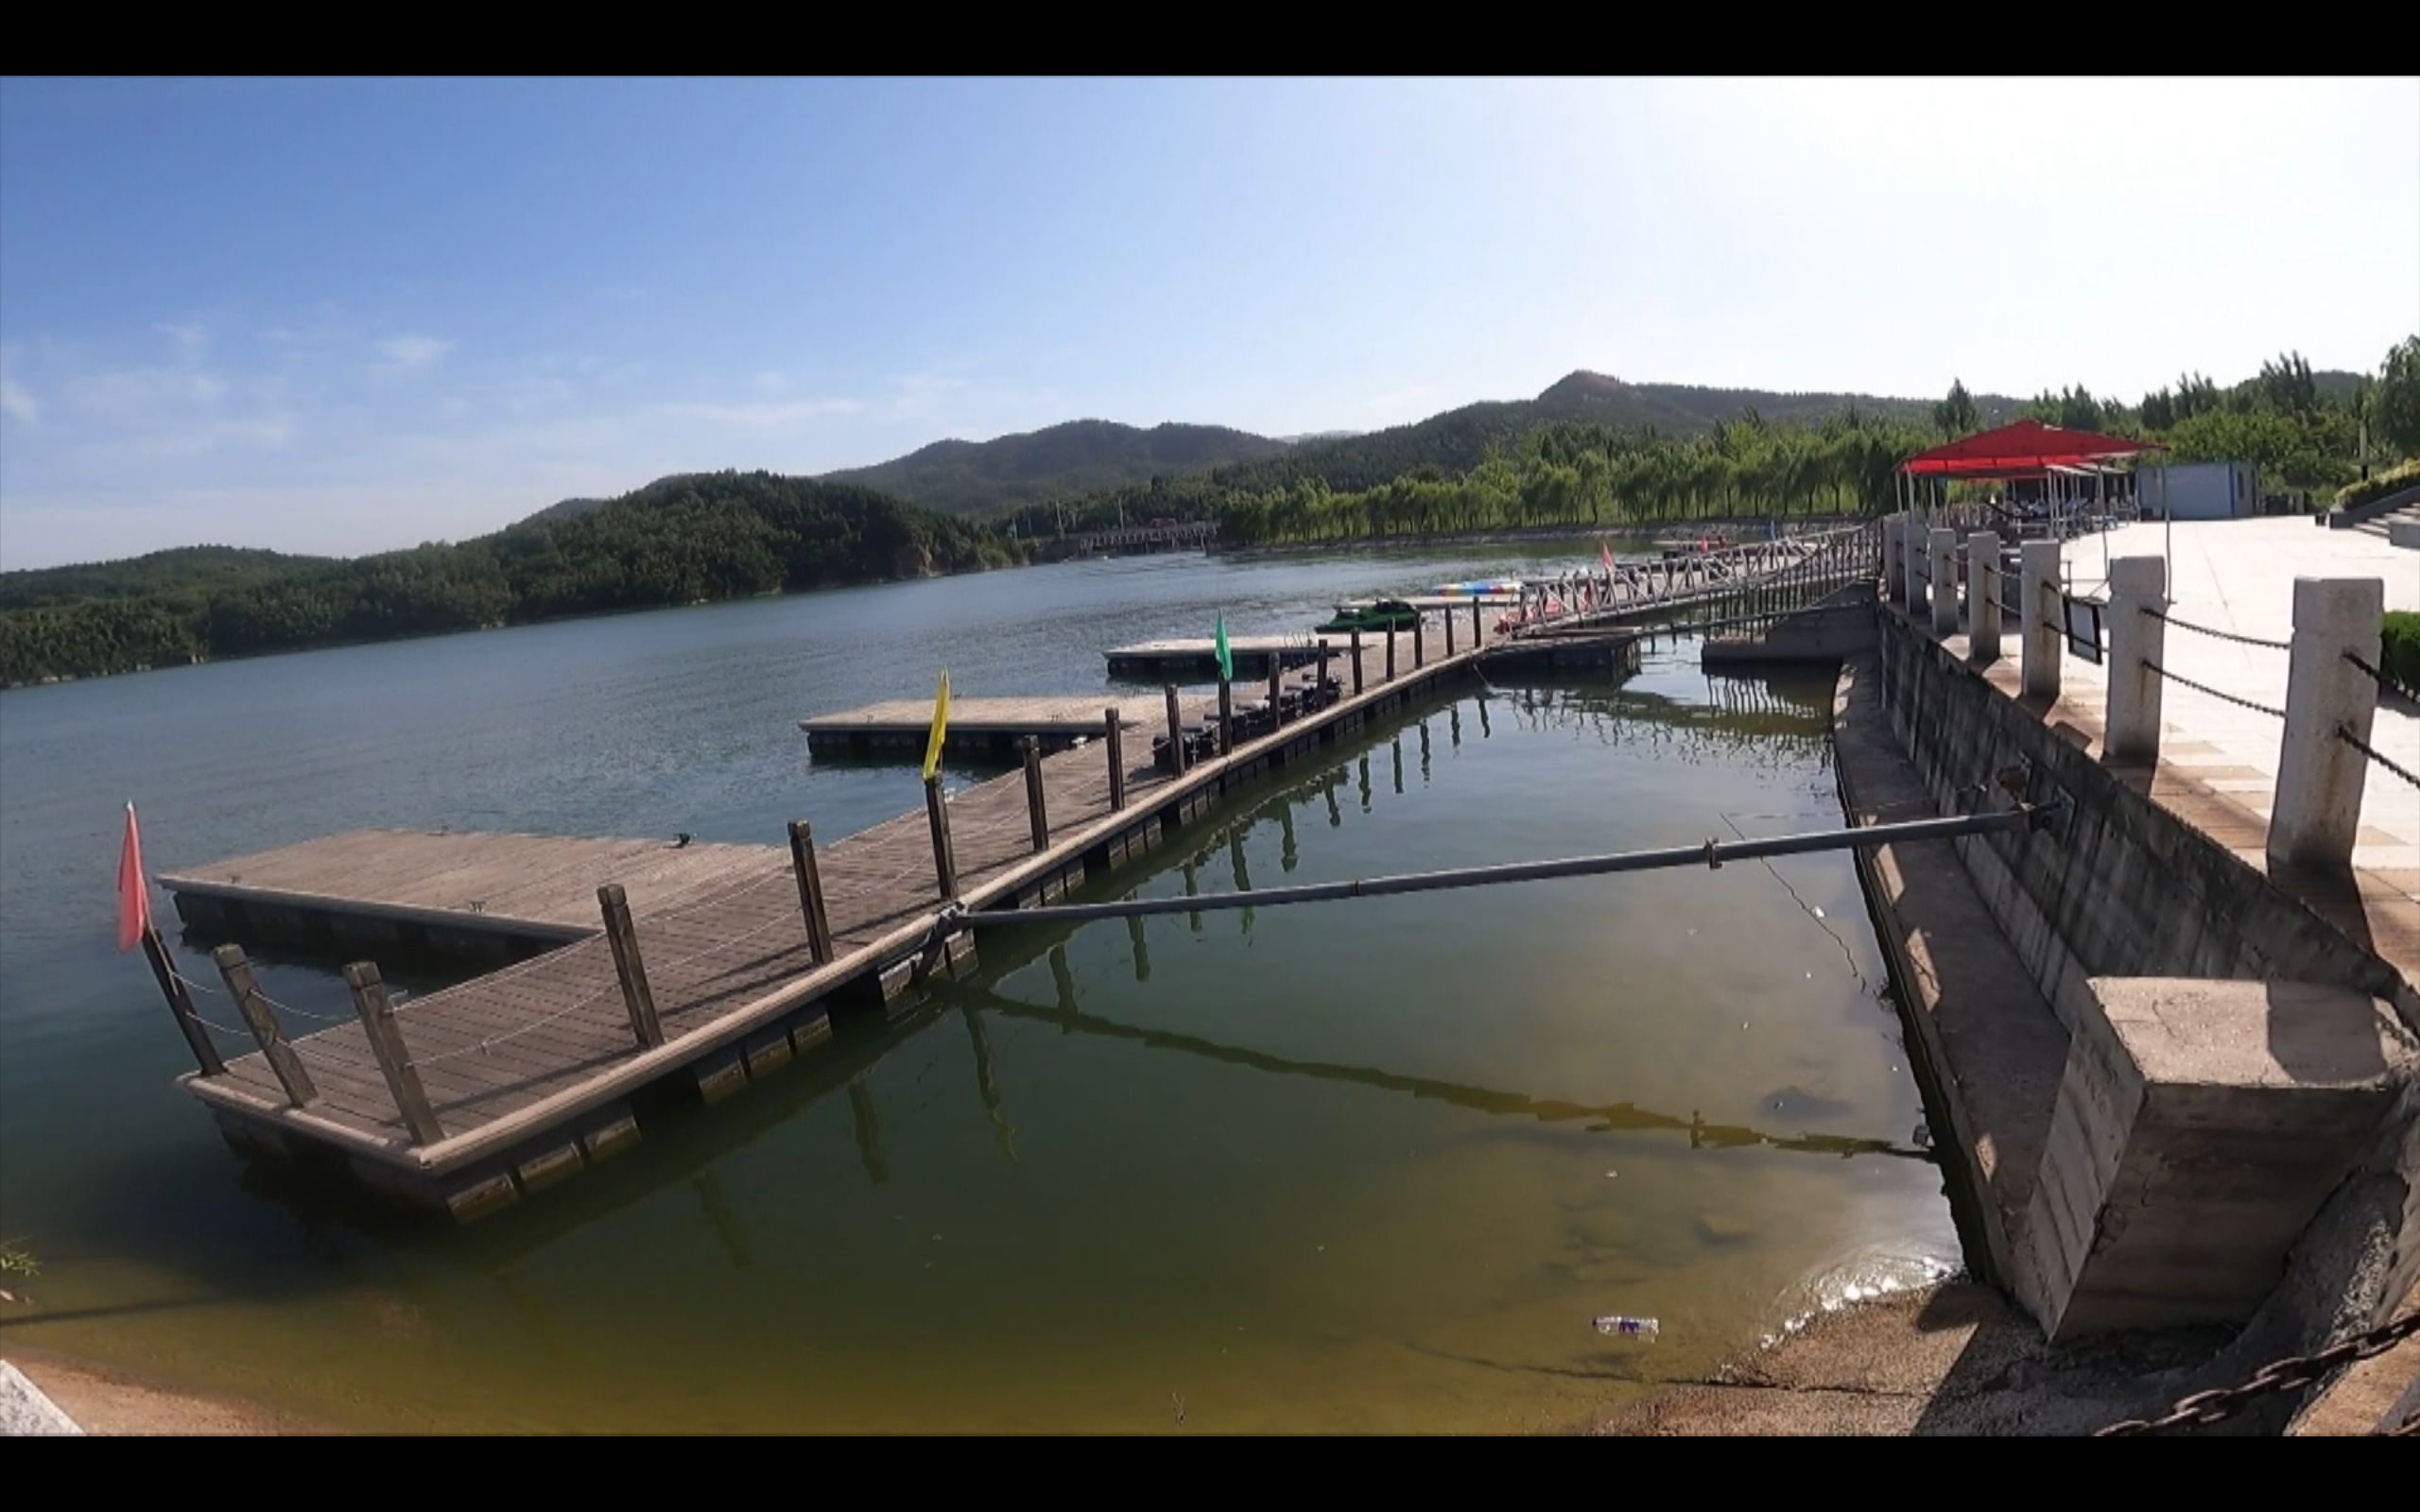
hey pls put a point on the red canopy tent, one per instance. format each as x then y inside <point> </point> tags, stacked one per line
<point>2024,449</point>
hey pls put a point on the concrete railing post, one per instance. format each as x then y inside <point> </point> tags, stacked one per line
<point>2041,639</point>
<point>2320,777</point>
<point>1894,567</point>
<point>1944,568</point>
<point>1912,568</point>
<point>2137,587</point>
<point>1983,597</point>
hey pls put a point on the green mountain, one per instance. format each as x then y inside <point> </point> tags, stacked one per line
<point>1080,456</point>
<point>1459,439</point>
<point>691,539</point>
<point>180,569</point>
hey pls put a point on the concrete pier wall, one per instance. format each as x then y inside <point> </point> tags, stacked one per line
<point>2127,890</point>
<point>2132,890</point>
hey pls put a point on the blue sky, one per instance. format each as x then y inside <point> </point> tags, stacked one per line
<point>348,316</point>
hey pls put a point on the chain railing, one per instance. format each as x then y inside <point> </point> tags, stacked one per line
<point>2166,618</point>
<point>2204,687</point>
<point>2344,733</point>
<point>2289,1374</point>
<point>2387,681</point>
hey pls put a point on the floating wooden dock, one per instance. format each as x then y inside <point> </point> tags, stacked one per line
<point>450,890</point>
<point>722,965</point>
<point>987,725</point>
<point>1198,657</point>
<point>706,967</point>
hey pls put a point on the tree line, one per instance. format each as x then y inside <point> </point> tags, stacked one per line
<point>687,540</point>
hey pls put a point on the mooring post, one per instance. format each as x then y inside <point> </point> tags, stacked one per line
<point>1356,653</point>
<point>1226,716</point>
<point>2040,613</point>
<point>387,1044</point>
<point>1418,659</point>
<point>172,987</point>
<point>1390,651</point>
<point>622,937</point>
<point>1983,597</point>
<point>1478,632</point>
<point>1176,731</point>
<point>810,892</point>
<point>1277,689</point>
<point>1037,806</point>
<point>1113,736</point>
<point>2319,776</point>
<point>937,817</point>
<point>1916,601</point>
<point>1448,618</point>
<point>1945,581</point>
<point>261,1019</point>
<point>1318,677</point>
<point>2137,598</point>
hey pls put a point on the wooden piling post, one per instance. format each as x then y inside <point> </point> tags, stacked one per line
<point>1226,716</point>
<point>1478,632</point>
<point>1319,676</point>
<point>1037,805</point>
<point>1390,651</point>
<point>622,936</point>
<point>172,988</point>
<point>1448,618</point>
<point>1176,731</point>
<point>1418,620</point>
<point>262,1019</point>
<point>1277,689</point>
<point>387,1044</point>
<point>1355,652</point>
<point>937,815</point>
<point>810,892</point>
<point>1114,737</point>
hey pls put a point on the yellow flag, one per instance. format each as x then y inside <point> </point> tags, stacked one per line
<point>941,726</point>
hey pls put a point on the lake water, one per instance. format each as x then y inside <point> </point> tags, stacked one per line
<point>1367,1165</point>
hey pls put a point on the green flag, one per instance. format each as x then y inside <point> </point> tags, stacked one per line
<point>1226,656</point>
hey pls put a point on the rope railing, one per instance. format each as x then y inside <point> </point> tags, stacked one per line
<point>487,1042</point>
<point>2218,635</point>
<point>2204,687</point>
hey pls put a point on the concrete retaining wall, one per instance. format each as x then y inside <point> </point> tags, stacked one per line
<point>2133,890</point>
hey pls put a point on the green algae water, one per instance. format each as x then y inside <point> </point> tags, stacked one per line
<point>1357,1166</point>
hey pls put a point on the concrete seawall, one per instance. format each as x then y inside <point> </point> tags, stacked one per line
<point>2134,890</point>
<point>2127,926</point>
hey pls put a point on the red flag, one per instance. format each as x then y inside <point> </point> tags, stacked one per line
<point>133,888</point>
<point>1606,552</point>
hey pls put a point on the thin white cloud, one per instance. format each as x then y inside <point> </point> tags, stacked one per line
<point>770,417</point>
<point>189,337</point>
<point>17,402</point>
<point>414,352</point>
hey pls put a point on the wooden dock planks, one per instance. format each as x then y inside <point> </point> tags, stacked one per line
<point>542,886</point>
<point>525,1053</point>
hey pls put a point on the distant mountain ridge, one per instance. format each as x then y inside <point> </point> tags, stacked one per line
<point>1078,456</point>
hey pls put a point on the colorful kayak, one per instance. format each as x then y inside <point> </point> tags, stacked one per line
<point>1485,585</point>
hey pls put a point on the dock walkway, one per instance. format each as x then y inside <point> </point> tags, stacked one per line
<point>530,1071</point>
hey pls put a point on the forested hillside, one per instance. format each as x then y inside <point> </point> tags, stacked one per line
<point>685,539</point>
<point>1080,456</point>
<point>182,569</point>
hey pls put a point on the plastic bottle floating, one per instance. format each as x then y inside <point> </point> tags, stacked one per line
<point>1632,1328</point>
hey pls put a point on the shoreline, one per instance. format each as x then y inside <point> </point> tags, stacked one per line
<point>1458,539</point>
<point>108,1402</point>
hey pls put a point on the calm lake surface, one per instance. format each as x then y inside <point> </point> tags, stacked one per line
<point>1367,1165</point>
